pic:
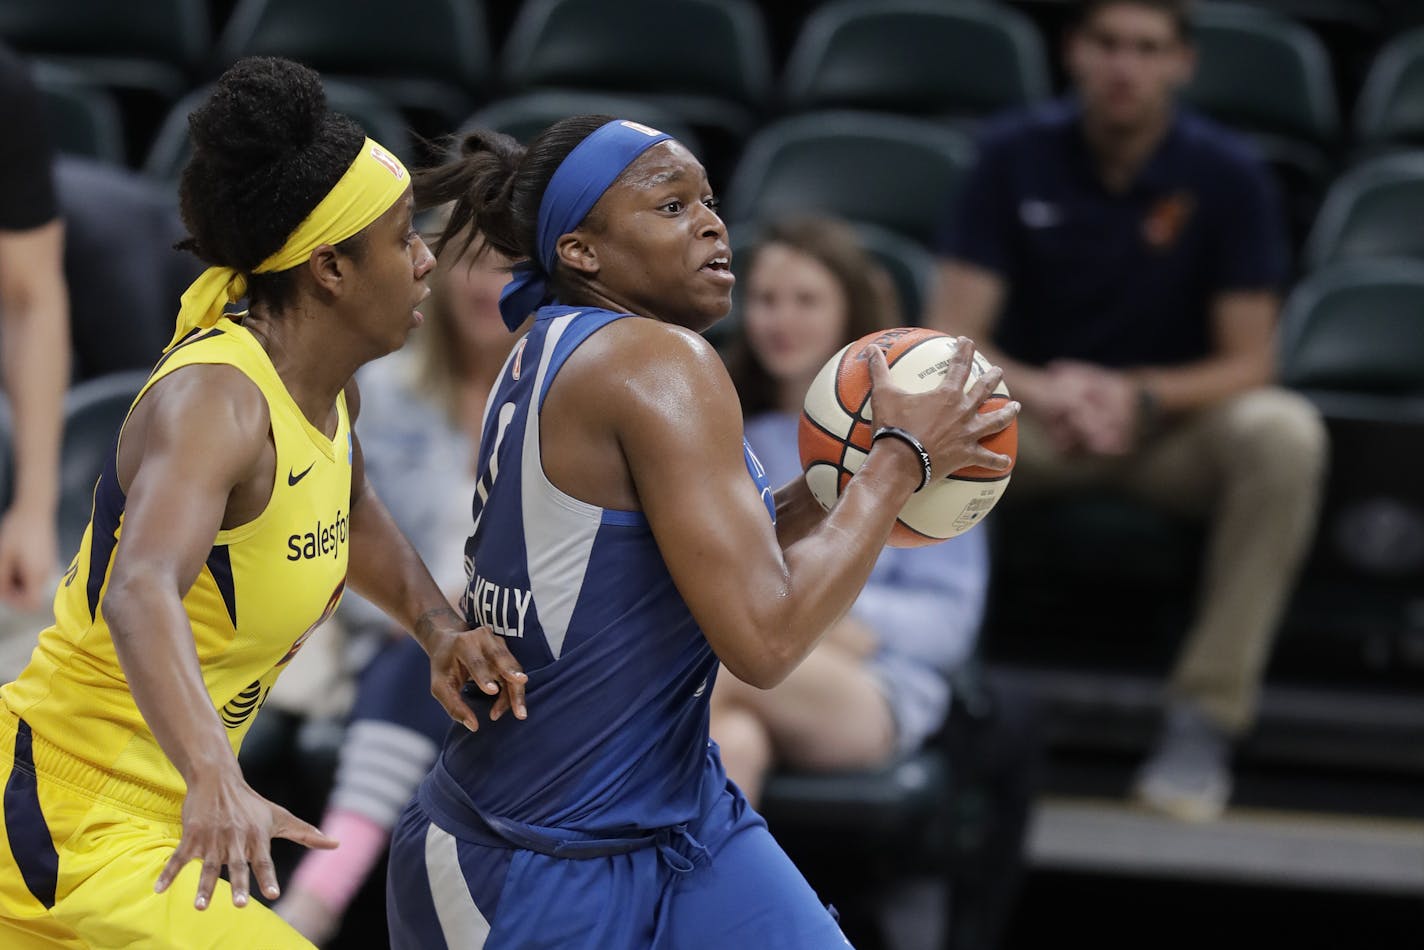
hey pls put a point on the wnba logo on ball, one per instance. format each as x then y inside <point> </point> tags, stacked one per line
<point>884,341</point>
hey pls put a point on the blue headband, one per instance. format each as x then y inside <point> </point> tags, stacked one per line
<point>578,183</point>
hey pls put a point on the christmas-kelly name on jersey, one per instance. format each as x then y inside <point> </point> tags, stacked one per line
<point>502,609</point>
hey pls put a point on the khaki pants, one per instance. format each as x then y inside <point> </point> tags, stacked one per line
<point>1253,465</point>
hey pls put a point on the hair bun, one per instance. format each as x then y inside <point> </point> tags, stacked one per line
<point>262,109</point>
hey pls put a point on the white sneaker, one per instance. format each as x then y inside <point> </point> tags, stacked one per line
<point>1189,775</point>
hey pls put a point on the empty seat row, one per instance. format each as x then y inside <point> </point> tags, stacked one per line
<point>708,59</point>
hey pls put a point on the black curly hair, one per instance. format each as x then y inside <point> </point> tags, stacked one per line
<point>266,150</point>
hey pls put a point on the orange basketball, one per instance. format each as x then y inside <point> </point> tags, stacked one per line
<point>835,431</point>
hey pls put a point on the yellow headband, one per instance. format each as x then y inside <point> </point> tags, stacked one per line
<point>373,182</point>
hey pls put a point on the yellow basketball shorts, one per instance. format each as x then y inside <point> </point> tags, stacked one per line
<point>77,865</point>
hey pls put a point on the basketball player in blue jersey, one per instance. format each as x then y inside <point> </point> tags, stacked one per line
<point>625,543</point>
<point>230,517</point>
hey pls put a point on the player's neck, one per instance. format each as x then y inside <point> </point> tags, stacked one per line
<point>312,370</point>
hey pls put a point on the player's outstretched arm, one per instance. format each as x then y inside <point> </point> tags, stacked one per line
<point>196,435</point>
<point>385,569</point>
<point>763,608</point>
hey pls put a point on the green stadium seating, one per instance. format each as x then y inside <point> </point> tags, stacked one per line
<point>896,172</point>
<point>917,57</point>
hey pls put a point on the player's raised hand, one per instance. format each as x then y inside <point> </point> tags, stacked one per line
<point>226,823</point>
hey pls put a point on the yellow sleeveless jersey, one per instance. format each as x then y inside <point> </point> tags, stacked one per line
<point>265,588</point>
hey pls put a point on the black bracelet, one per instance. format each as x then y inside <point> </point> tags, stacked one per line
<point>895,432</point>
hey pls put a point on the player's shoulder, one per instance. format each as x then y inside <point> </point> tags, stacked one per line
<point>671,362</point>
<point>209,396</point>
<point>640,344</point>
<point>641,364</point>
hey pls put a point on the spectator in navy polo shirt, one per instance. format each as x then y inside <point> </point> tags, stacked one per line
<point>1121,259</point>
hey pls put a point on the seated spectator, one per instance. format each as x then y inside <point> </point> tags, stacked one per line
<point>1121,258</point>
<point>420,422</point>
<point>34,334</point>
<point>876,686</point>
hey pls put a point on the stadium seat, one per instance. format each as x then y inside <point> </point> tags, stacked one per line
<point>1372,211</point>
<point>713,48</point>
<point>1356,328</point>
<point>166,31</point>
<point>93,412</point>
<point>382,121</point>
<point>1352,341</point>
<point>1302,172</point>
<point>908,263</point>
<point>152,47</point>
<point>891,171</point>
<point>858,835</point>
<point>525,116</point>
<point>895,807</point>
<point>124,276</point>
<point>84,118</point>
<point>1391,105</point>
<point>956,810</point>
<point>1352,31</point>
<point>918,57</point>
<point>426,56</point>
<point>1263,72</point>
<point>1117,577</point>
<point>705,61</point>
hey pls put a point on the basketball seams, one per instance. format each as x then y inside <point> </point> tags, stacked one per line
<point>984,479</point>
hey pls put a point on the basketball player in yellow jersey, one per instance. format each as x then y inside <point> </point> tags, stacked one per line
<point>225,527</point>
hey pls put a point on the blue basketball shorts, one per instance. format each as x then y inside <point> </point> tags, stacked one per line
<point>721,882</point>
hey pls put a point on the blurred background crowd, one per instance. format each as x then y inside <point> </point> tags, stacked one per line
<point>1168,693</point>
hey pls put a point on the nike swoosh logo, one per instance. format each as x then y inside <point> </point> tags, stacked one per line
<point>293,479</point>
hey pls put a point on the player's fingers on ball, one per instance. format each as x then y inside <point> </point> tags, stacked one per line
<point>879,370</point>
<point>997,420</point>
<point>958,369</point>
<point>992,377</point>
<point>993,461</point>
<point>980,390</point>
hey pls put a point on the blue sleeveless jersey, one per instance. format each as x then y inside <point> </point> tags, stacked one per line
<point>619,672</point>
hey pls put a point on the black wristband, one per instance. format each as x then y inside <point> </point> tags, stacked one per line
<point>894,432</point>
